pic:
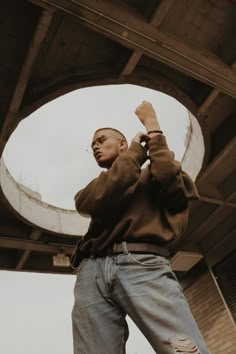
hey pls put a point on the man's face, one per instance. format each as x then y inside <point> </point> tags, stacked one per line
<point>107,146</point>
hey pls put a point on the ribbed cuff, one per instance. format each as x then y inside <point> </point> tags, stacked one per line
<point>138,152</point>
<point>158,142</point>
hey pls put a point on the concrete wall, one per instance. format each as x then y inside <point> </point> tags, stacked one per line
<point>195,149</point>
<point>212,316</point>
<point>38,213</point>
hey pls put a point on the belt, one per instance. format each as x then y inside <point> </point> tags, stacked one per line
<point>126,247</point>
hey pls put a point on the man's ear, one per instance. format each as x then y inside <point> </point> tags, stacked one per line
<point>123,145</point>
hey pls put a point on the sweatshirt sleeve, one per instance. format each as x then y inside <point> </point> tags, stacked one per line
<point>173,187</point>
<point>105,192</point>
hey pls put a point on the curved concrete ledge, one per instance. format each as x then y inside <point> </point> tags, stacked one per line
<point>195,149</point>
<point>61,221</point>
<point>38,213</point>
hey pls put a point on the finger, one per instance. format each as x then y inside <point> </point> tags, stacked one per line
<point>137,110</point>
<point>145,137</point>
<point>138,137</point>
<point>140,106</point>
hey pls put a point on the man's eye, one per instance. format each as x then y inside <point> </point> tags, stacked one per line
<point>101,140</point>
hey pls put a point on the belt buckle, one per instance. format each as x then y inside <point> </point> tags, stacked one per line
<point>113,249</point>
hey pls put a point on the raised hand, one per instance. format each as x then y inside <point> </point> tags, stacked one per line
<point>140,138</point>
<point>147,116</point>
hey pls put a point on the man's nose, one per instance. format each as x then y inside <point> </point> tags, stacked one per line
<point>95,146</point>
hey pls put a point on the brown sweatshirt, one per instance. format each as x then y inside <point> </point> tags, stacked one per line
<point>127,203</point>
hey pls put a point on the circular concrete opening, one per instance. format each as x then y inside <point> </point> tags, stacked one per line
<point>47,159</point>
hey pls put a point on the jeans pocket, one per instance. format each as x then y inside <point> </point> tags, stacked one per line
<point>80,270</point>
<point>148,260</point>
<point>171,276</point>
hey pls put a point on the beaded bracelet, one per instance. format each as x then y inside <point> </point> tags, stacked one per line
<point>155,131</point>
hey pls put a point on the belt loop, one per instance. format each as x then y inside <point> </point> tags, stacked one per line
<point>124,246</point>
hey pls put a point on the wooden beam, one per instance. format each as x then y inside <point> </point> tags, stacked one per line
<point>35,235</point>
<point>156,20</point>
<point>131,63</point>
<point>221,249</point>
<point>23,259</point>
<point>212,96</point>
<point>160,12</point>
<point>34,246</point>
<point>122,26</point>
<point>214,219</point>
<point>217,201</point>
<point>208,101</point>
<point>230,147</point>
<point>12,120</point>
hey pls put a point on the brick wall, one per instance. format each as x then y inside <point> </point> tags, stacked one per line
<point>211,316</point>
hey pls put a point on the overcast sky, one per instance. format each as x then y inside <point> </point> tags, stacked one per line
<point>48,153</point>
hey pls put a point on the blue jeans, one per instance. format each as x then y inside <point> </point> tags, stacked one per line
<point>142,286</point>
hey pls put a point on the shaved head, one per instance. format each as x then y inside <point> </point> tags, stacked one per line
<point>107,144</point>
<point>115,131</point>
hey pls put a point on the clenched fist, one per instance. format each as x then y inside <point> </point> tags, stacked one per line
<point>147,116</point>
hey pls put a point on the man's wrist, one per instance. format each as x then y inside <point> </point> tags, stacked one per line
<point>154,132</point>
<point>152,126</point>
<point>151,135</point>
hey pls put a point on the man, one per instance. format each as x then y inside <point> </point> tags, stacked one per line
<point>122,260</point>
